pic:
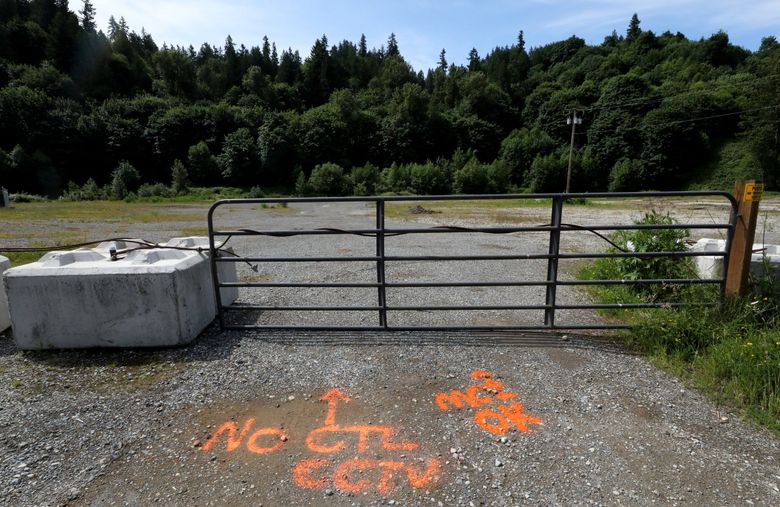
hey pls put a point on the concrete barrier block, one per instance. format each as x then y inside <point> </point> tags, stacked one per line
<point>765,260</point>
<point>226,270</point>
<point>5,318</point>
<point>709,266</point>
<point>78,299</point>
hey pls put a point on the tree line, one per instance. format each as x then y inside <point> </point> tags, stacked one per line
<point>102,113</point>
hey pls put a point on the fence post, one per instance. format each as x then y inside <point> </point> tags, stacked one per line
<point>380,263</point>
<point>554,251</point>
<point>748,195</point>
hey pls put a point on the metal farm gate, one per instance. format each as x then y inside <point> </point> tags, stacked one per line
<point>378,305</point>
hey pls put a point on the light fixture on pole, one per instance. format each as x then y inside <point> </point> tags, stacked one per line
<point>574,119</point>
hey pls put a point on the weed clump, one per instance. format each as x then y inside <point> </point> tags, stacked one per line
<point>729,348</point>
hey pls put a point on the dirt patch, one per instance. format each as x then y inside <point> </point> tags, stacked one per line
<point>566,359</point>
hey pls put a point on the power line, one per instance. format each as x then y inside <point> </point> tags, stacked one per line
<point>688,92</point>
<point>687,120</point>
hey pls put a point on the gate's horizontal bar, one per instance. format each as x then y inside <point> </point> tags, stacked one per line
<point>387,284</point>
<point>304,308</point>
<point>323,285</point>
<point>461,230</point>
<point>376,308</point>
<point>298,259</point>
<point>608,255</point>
<point>633,227</point>
<point>479,197</point>
<point>630,306</point>
<point>437,258</point>
<point>460,308</point>
<point>411,285</point>
<point>646,281</point>
<point>466,308</point>
<point>465,284</point>
<point>426,328</point>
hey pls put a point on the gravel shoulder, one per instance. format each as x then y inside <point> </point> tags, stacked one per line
<point>602,426</point>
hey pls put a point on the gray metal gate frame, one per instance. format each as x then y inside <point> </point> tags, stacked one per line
<point>380,232</point>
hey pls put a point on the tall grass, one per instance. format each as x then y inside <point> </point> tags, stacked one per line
<point>731,350</point>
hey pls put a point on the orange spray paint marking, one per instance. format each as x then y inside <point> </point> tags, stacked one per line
<point>420,479</point>
<point>483,417</point>
<point>314,441</point>
<point>333,397</point>
<point>234,438</point>
<point>254,447</point>
<point>389,469</point>
<point>350,476</point>
<point>458,399</point>
<point>344,473</point>
<point>302,473</point>
<point>497,420</point>
<point>492,386</point>
<point>354,475</point>
<point>515,414</point>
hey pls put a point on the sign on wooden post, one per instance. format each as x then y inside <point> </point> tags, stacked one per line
<point>748,195</point>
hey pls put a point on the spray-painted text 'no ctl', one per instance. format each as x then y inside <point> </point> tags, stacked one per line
<point>360,472</point>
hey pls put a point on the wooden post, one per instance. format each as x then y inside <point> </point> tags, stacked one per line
<point>748,195</point>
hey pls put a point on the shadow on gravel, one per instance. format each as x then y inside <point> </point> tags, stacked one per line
<point>7,346</point>
<point>211,345</point>
<point>436,338</point>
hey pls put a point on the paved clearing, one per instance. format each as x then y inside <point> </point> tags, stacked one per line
<point>344,418</point>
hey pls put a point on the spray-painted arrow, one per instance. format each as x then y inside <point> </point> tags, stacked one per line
<point>333,397</point>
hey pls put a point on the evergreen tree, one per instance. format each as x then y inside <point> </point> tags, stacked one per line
<point>392,46</point>
<point>362,46</point>
<point>473,60</point>
<point>443,61</point>
<point>88,16</point>
<point>179,177</point>
<point>633,32</point>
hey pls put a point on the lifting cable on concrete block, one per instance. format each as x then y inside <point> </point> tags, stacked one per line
<point>142,245</point>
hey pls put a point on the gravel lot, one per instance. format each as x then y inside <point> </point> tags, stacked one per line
<point>133,427</point>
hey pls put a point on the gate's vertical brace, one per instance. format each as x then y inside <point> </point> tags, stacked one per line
<point>552,261</point>
<point>213,253</point>
<point>380,263</point>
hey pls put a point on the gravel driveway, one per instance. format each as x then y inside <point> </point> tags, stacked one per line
<point>252,418</point>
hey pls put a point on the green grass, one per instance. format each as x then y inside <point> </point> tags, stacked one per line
<point>730,352</point>
<point>77,222</point>
<point>96,211</point>
<point>733,160</point>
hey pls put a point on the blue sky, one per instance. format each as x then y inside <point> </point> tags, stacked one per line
<point>424,27</point>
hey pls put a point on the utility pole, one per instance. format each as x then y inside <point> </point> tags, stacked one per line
<point>574,119</point>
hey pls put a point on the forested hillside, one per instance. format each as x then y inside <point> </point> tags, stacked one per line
<point>659,111</point>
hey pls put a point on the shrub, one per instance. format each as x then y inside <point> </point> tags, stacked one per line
<point>301,185</point>
<point>652,240</point>
<point>256,192</point>
<point>396,178</point>
<point>364,179</point>
<point>428,178</point>
<point>90,191</point>
<point>329,179</point>
<point>154,190</point>
<point>624,176</point>
<point>179,178</point>
<point>202,165</point>
<point>124,180</point>
<point>547,174</point>
<point>499,177</point>
<point>25,197</point>
<point>472,178</point>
